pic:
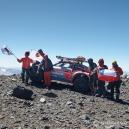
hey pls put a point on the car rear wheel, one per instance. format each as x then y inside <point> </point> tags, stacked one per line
<point>81,83</point>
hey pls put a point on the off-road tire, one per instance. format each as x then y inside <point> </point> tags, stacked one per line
<point>81,83</point>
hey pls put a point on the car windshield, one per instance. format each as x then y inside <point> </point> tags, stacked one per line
<point>74,66</point>
<point>86,64</point>
<point>65,65</point>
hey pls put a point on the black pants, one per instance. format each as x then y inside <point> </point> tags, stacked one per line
<point>93,83</point>
<point>101,87</point>
<point>115,88</point>
<point>25,75</point>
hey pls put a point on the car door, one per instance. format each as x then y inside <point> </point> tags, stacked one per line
<point>62,72</point>
<point>58,73</point>
<point>67,70</point>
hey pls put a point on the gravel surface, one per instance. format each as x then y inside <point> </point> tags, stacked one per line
<point>61,108</point>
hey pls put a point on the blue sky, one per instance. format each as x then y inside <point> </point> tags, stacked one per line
<point>91,28</point>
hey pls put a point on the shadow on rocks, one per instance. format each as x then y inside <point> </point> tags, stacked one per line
<point>120,101</point>
<point>38,85</point>
<point>50,95</point>
<point>60,87</point>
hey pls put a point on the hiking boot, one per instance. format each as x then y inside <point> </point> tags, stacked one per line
<point>27,84</point>
<point>104,96</point>
<point>112,97</point>
<point>49,87</point>
<point>98,95</point>
<point>117,97</point>
<point>23,81</point>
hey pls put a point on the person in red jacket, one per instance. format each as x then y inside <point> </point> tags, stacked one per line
<point>101,91</point>
<point>116,84</point>
<point>26,62</point>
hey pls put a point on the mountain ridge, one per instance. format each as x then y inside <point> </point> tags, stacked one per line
<point>9,71</point>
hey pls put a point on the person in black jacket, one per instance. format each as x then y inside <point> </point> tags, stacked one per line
<point>93,75</point>
<point>47,68</point>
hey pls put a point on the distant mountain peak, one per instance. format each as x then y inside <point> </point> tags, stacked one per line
<point>9,71</point>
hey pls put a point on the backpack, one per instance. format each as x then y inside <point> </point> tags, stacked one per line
<point>22,93</point>
<point>49,66</point>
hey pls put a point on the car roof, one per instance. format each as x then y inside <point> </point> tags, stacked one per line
<point>70,62</point>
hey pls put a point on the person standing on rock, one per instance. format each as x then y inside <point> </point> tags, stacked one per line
<point>101,91</point>
<point>116,84</point>
<point>93,75</point>
<point>26,62</point>
<point>47,65</point>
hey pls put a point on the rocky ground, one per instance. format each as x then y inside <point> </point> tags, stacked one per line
<point>60,109</point>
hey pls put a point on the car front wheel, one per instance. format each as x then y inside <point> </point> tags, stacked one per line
<point>81,84</point>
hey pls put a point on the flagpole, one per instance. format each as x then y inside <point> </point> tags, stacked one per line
<point>14,55</point>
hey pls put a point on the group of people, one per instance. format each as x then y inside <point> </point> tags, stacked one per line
<point>95,83</point>
<point>45,64</point>
<point>99,86</point>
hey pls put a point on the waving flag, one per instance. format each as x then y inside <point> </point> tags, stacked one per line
<point>6,50</point>
<point>107,75</point>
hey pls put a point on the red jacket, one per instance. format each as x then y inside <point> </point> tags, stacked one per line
<point>26,61</point>
<point>119,71</point>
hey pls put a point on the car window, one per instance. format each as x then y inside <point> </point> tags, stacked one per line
<point>78,66</point>
<point>67,65</point>
<point>59,65</point>
<point>64,65</point>
<point>86,64</point>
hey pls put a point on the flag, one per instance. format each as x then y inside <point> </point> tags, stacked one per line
<point>107,75</point>
<point>6,50</point>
